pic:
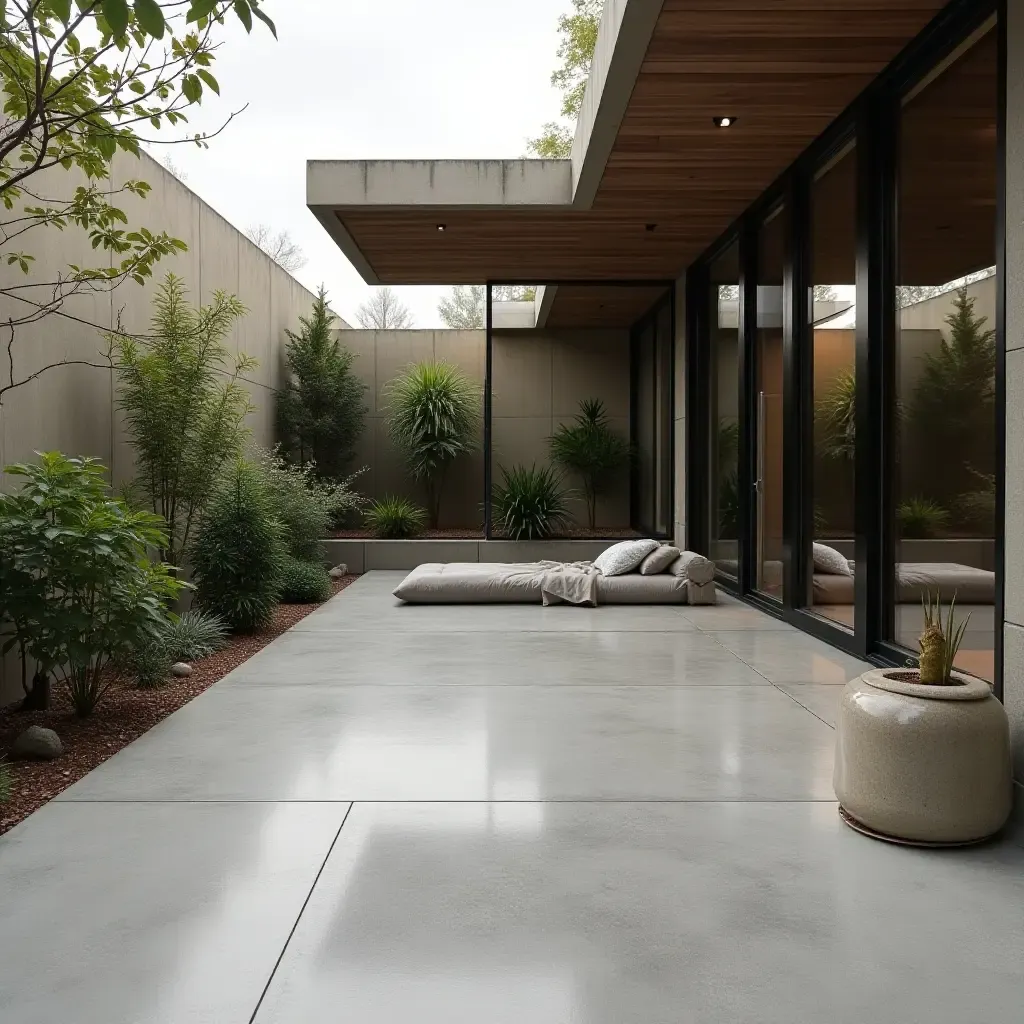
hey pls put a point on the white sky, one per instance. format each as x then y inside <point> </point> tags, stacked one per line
<point>354,79</point>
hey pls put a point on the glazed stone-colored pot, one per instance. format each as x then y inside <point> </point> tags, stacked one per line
<point>923,764</point>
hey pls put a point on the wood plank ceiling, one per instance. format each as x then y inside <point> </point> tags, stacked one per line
<point>674,181</point>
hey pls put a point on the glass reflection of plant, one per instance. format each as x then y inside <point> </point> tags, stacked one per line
<point>728,480</point>
<point>837,419</point>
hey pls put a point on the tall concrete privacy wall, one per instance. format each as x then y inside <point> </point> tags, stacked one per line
<point>540,377</point>
<point>72,408</point>
<point>1013,662</point>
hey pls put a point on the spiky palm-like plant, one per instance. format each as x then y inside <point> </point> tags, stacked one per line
<point>394,518</point>
<point>836,426</point>
<point>529,503</point>
<point>940,641</point>
<point>432,416</point>
<point>589,448</point>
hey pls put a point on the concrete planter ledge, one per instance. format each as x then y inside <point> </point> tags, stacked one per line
<point>367,555</point>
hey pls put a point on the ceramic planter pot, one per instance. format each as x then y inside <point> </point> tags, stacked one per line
<point>923,764</point>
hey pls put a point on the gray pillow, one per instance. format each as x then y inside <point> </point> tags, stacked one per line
<point>659,560</point>
<point>829,562</point>
<point>623,557</point>
<point>696,568</point>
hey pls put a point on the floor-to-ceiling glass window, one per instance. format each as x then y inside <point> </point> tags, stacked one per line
<point>944,461</point>
<point>723,305</point>
<point>831,313</point>
<point>768,424</point>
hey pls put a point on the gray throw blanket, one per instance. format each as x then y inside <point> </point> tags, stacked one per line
<point>569,583</point>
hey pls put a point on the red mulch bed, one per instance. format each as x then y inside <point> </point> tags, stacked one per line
<point>125,713</point>
<point>454,533</point>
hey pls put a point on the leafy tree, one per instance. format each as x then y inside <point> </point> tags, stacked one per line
<point>320,410</point>
<point>98,596</point>
<point>593,451</point>
<point>954,401</point>
<point>384,311</point>
<point>465,309</point>
<point>185,413</point>
<point>578,32</point>
<point>82,82</point>
<point>432,417</point>
<point>279,247</point>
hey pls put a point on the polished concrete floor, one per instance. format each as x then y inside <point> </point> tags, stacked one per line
<point>499,815</point>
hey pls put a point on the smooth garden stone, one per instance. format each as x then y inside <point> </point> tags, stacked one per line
<point>181,669</point>
<point>39,743</point>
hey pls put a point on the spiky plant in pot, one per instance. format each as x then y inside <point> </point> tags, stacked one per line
<point>940,641</point>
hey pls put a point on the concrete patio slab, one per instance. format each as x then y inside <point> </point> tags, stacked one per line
<point>592,658</point>
<point>610,816</point>
<point>152,913</point>
<point>743,913</point>
<point>476,743</point>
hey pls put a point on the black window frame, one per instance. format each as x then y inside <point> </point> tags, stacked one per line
<point>872,122</point>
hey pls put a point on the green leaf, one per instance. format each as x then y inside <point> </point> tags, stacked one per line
<point>201,9</point>
<point>62,9</point>
<point>244,13</point>
<point>266,21</point>
<point>116,14</point>
<point>150,17</point>
<point>209,80</point>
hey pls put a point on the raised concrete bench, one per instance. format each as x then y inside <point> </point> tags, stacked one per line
<point>367,555</point>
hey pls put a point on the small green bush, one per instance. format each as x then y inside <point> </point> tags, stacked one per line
<point>5,781</point>
<point>194,635</point>
<point>394,518</point>
<point>301,504</point>
<point>304,583</point>
<point>239,551</point>
<point>529,504</point>
<point>921,518</point>
<point>150,663</point>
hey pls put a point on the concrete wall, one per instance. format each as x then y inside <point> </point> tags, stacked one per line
<point>72,408</point>
<point>540,378</point>
<point>380,357</point>
<point>1013,666</point>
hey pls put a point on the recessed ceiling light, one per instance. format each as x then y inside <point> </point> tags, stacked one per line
<point>726,121</point>
<point>441,227</point>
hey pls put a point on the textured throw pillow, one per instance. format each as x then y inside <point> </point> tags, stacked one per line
<point>623,557</point>
<point>830,562</point>
<point>659,560</point>
<point>696,568</point>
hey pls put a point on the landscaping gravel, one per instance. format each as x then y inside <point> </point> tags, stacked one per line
<point>125,713</point>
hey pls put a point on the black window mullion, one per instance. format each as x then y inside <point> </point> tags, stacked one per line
<point>747,461</point>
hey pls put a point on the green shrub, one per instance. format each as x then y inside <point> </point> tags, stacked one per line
<point>239,551</point>
<point>529,504</point>
<point>589,448</point>
<point>304,583</point>
<point>194,635</point>
<point>433,416</point>
<point>301,504</point>
<point>321,408</point>
<point>921,518</point>
<point>5,781</point>
<point>77,590</point>
<point>394,518</point>
<point>151,662</point>
<point>185,405</point>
